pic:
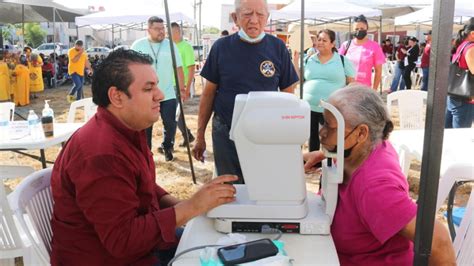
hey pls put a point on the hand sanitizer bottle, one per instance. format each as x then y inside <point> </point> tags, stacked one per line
<point>47,120</point>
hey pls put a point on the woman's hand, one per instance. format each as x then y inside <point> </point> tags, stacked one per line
<point>311,159</point>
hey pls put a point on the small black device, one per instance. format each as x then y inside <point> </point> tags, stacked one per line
<point>246,252</point>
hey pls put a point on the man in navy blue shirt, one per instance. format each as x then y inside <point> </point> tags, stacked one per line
<point>245,61</point>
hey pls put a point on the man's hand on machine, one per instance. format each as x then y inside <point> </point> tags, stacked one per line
<point>311,159</point>
<point>214,193</point>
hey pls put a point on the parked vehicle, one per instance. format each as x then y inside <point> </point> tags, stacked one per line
<point>198,52</point>
<point>49,48</point>
<point>123,46</point>
<point>98,51</point>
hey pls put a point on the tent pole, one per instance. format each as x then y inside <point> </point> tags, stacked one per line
<point>380,42</point>
<point>350,28</point>
<point>177,90</point>
<point>54,30</point>
<point>302,50</point>
<point>443,15</point>
<point>394,50</point>
<point>23,24</point>
<point>113,36</point>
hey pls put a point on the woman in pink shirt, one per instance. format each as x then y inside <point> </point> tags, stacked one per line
<point>364,54</point>
<point>374,222</point>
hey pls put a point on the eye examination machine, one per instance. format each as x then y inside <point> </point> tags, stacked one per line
<point>268,129</point>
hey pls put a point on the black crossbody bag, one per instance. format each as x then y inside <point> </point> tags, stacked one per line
<point>460,81</point>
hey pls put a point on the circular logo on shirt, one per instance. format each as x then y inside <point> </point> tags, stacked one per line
<point>33,76</point>
<point>267,68</point>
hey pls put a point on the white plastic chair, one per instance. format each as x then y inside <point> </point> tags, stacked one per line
<point>411,107</point>
<point>13,242</point>
<point>7,108</point>
<point>464,240</point>
<point>90,108</point>
<point>387,75</point>
<point>33,196</point>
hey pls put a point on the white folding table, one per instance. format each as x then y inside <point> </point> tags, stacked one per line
<point>62,132</point>
<point>303,249</point>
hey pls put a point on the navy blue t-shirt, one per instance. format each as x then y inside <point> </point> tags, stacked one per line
<point>238,67</point>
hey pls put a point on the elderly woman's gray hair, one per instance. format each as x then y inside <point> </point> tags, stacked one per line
<point>237,4</point>
<point>360,104</point>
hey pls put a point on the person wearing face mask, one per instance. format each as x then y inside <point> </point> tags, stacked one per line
<point>411,51</point>
<point>375,218</point>
<point>365,54</point>
<point>248,60</point>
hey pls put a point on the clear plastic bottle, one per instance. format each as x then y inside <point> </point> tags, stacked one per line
<point>34,124</point>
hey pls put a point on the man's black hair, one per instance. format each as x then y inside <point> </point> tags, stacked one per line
<point>361,18</point>
<point>154,19</point>
<point>114,71</point>
<point>79,42</point>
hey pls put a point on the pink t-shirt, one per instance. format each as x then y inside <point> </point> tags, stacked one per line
<point>372,208</point>
<point>364,57</point>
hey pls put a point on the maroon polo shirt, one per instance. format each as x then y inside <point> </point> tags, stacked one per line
<point>400,54</point>
<point>106,209</point>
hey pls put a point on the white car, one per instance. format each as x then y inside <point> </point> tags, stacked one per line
<point>123,46</point>
<point>49,48</point>
<point>93,51</point>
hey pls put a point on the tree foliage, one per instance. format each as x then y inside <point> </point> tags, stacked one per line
<point>211,30</point>
<point>6,31</point>
<point>34,34</point>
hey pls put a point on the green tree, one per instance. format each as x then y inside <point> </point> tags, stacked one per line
<point>34,34</point>
<point>6,31</point>
<point>211,30</point>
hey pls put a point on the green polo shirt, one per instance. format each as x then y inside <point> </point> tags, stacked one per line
<point>186,52</point>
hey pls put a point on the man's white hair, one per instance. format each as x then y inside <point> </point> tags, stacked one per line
<point>238,3</point>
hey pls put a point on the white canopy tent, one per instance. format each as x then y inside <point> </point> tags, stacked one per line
<point>323,9</point>
<point>463,8</point>
<point>18,11</point>
<point>132,16</point>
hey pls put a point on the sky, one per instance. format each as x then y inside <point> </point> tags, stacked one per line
<point>211,9</point>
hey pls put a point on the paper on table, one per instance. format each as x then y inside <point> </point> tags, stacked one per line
<point>19,129</point>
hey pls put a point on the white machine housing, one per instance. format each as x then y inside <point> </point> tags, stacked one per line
<point>268,129</point>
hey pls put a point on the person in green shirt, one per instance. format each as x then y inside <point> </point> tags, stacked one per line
<point>186,52</point>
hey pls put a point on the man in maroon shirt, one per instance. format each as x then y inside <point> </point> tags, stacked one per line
<point>425,61</point>
<point>397,82</point>
<point>387,49</point>
<point>108,209</point>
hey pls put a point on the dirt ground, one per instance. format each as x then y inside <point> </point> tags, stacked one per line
<point>174,176</point>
